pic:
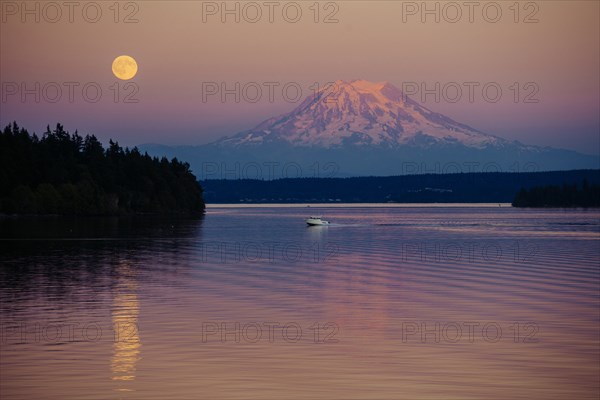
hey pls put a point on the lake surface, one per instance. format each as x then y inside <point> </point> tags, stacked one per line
<point>249,303</point>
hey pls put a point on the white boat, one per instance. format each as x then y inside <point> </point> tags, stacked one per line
<point>314,221</point>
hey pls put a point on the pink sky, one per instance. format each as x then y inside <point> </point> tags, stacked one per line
<point>181,46</point>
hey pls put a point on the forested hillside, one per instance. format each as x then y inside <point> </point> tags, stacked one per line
<point>63,173</point>
<point>584,195</point>
<point>493,187</point>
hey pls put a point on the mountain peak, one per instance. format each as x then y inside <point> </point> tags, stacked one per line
<point>362,113</point>
<point>368,86</point>
<point>359,86</point>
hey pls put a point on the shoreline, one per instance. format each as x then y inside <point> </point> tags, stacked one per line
<point>351,205</point>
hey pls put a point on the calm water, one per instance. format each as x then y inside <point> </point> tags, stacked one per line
<point>248,303</point>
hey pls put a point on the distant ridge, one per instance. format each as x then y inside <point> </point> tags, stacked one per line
<point>427,188</point>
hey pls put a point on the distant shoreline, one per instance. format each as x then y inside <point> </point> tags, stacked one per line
<point>399,191</point>
<point>362,205</point>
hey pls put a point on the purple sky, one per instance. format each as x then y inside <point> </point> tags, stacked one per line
<point>549,49</point>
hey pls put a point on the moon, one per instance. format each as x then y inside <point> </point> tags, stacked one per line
<point>124,67</point>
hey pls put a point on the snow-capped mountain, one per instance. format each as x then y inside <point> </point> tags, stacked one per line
<point>362,113</point>
<point>364,128</point>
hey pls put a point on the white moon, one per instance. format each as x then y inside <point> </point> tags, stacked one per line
<point>124,67</point>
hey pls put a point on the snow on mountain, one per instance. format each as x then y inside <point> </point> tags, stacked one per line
<point>362,113</point>
<point>363,128</point>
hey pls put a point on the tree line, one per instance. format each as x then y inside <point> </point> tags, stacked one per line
<point>63,173</point>
<point>474,187</point>
<point>559,196</point>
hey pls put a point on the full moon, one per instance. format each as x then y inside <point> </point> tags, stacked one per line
<point>124,67</point>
